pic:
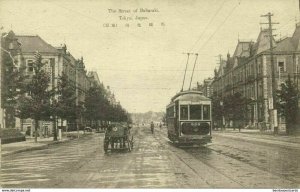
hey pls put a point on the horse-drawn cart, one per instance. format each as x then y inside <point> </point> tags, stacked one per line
<point>118,137</point>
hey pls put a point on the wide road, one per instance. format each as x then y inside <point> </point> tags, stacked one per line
<point>154,163</point>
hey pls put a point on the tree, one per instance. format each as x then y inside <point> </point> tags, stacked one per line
<point>12,87</point>
<point>65,107</point>
<point>217,110</point>
<point>235,108</point>
<point>288,104</point>
<point>37,105</point>
<point>93,104</point>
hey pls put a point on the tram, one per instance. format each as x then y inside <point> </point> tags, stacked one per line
<point>189,119</point>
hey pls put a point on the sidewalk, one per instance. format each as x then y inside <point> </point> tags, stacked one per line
<point>29,144</point>
<point>266,137</point>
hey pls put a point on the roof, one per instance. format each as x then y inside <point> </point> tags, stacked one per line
<point>296,37</point>
<point>263,42</point>
<point>229,63</point>
<point>94,75</point>
<point>194,96</point>
<point>221,68</point>
<point>243,49</point>
<point>30,44</point>
<point>285,45</point>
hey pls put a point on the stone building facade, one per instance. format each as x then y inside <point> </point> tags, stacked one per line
<point>248,71</point>
<point>57,61</point>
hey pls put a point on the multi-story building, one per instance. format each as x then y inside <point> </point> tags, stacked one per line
<point>94,79</point>
<point>206,87</point>
<point>77,76</point>
<point>248,71</point>
<point>22,49</point>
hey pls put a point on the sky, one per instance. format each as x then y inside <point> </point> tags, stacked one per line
<point>144,65</point>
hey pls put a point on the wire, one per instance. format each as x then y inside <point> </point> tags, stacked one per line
<point>218,28</point>
<point>230,13</point>
<point>206,27</point>
<point>148,70</point>
<point>146,88</point>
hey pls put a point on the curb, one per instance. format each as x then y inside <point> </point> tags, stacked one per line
<point>267,142</point>
<point>24,150</point>
<point>43,146</point>
<point>269,137</point>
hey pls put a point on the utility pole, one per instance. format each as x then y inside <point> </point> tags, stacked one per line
<point>273,107</point>
<point>76,100</point>
<point>1,88</point>
<point>222,87</point>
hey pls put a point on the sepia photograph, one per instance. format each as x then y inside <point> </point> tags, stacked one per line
<point>150,94</point>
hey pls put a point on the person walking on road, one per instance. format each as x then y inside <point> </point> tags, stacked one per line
<point>152,127</point>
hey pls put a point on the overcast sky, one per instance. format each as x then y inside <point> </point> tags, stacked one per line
<point>144,66</point>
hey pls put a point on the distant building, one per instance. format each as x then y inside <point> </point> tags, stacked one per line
<point>206,87</point>
<point>94,79</point>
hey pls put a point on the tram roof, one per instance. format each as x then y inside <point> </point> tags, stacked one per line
<point>190,96</point>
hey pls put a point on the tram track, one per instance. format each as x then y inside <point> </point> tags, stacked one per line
<point>243,160</point>
<point>251,169</point>
<point>187,163</point>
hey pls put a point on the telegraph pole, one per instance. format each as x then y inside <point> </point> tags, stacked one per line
<point>76,100</point>
<point>221,101</point>
<point>273,107</point>
<point>1,88</point>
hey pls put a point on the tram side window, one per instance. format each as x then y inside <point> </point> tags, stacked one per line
<point>183,112</point>
<point>195,112</point>
<point>206,112</point>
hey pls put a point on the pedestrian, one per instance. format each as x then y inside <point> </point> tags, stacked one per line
<point>240,127</point>
<point>152,127</point>
<point>160,125</point>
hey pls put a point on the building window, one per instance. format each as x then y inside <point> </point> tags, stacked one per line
<point>281,66</point>
<point>29,66</point>
<point>241,76</point>
<point>260,90</point>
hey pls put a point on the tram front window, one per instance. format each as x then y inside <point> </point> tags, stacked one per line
<point>206,112</point>
<point>195,112</point>
<point>184,112</point>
